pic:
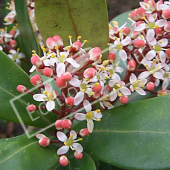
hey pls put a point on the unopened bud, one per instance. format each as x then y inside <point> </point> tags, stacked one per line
<point>66,124</point>
<point>84,132</point>
<point>58,124</point>
<point>89,73</point>
<point>36,80</point>
<point>21,88</point>
<point>134,16</point>
<point>44,141</point>
<point>94,53</point>
<point>35,60</point>
<point>97,88</point>
<point>12,32</point>
<point>166,14</point>
<point>13,43</point>
<point>131,65</point>
<point>112,57</point>
<point>168,54</point>
<point>66,76</point>
<point>159,31</point>
<point>134,34</point>
<point>141,12</point>
<point>139,43</point>
<point>124,99</point>
<point>31,108</point>
<point>63,160</point>
<point>78,155</point>
<point>167,26</point>
<point>60,82</point>
<point>126,31</point>
<point>150,86</point>
<point>48,72</point>
<point>69,101</point>
<point>75,46</point>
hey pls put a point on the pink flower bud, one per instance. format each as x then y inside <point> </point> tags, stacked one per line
<point>13,43</point>
<point>39,70</point>
<point>97,88</point>
<point>112,57</point>
<point>59,41</point>
<point>31,108</point>
<point>75,46</point>
<point>89,73</point>
<point>35,60</point>
<point>152,5</point>
<point>134,16</point>
<point>166,14</point>
<point>69,101</point>
<point>84,132</point>
<point>60,82</point>
<point>134,34</point>
<point>126,31</point>
<point>36,80</point>
<point>51,42</point>
<point>58,124</point>
<point>44,141</point>
<point>94,53</point>
<point>66,124</point>
<point>124,99</point>
<point>163,92</point>
<point>63,160</point>
<point>12,32</point>
<point>131,65</point>
<point>150,86</point>
<point>66,76</point>
<point>168,54</point>
<point>48,72</point>
<point>141,12</point>
<point>167,26</point>
<point>78,155</point>
<point>139,43</point>
<point>159,31</point>
<point>21,88</point>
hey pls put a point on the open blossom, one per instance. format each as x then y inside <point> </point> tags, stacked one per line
<point>49,95</point>
<point>69,142</point>
<point>89,116</point>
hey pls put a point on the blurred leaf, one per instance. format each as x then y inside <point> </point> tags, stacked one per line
<point>11,76</point>
<point>69,17</point>
<point>133,136</point>
<point>23,153</point>
<point>86,163</point>
<point>27,36</point>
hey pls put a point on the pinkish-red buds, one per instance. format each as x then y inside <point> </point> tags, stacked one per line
<point>167,26</point>
<point>69,101</point>
<point>66,124</point>
<point>75,46</point>
<point>141,12</point>
<point>78,155</point>
<point>35,60</point>
<point>36,80</point>
<point>13,43</point>
<point>139,43</point>
<point>12,32</point>
<point>66,76</point>
<point>159,31</point>
<point>31,108</point>
<point>48,72</point>
<point>150,86</point>
<point>134,34</point>
<point>126,31</point>
<point>94,53</point>
<point>54,41</point>
<point>59,41</point>
<point>112,57</point>
<point>44,141</point>
<point>63,160</point>
<point>84,132</point>
<point>124,99</point>
<point>168,54</point>
<point>134,15</point>
<point>58,124</point>
<point>97,88</point>
<point>89,73</point>
<point>21,88</point>
<point>131,65</point>
<point>60,82</point>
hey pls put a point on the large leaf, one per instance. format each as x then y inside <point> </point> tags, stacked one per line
<point>69,17</point>
<point>23,153</point>
<point>27,35</point>
<point>85,163</point>
<point>11,76</point>
<point>134,136</point>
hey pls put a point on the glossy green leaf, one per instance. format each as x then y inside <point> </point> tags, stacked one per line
<point>11,76</point>
<point>69,17</point>
<point>23,153</point>
<point>105,166</point>
<point>133,136</point>
<point>86,163</point>
<point>27,36</point>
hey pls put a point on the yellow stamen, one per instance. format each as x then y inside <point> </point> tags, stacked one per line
<point>45,92</point>
<point>96,84</point>
<point>83,90</point>
<point>139,81</point>
<point>63,56</point>
<point>115,23</point>
<point>70,37</point>
<point>119,94</point>
<point>85,41</point>
<point>80,139</point>
<point>56,47</point>
<point>79,37</point>
<point>91,93</point>
<point>87,79</point>
<point>137,88</point>
<point>71,136</point>
<point>53,55</point>
<point>98,120</point>
<point>142,85</point>
<point>98,111</point>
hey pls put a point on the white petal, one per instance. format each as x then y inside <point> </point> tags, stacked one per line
<point>144,75</point>
<point>164,6</point>
<point>97,115</point>
<point>123,55</point>
<point>74,134</point>
<point>162,56</point>
<point>48,88</point>
<point>90,126</point>
<point>75,82</point>
<point>80,116</point>
<point>73,62</point>
<point>157,82</point>
<point>125,91</point>
<point>116,77</point>
<point>150,35</point>
<point>50,105</point>
<point>132,78</point>
<point>33,68</point>
<point>78,148</point>
<point>158,75</point>
<point>39,136</point>
<point>62,150</point>
<point>39,97</point>
<point>61,136</point>
<point>60,69</point>
<point>165,84</point>
<point>153,42</point>
<point>78,98</point>
<point>87,105</point>
<point>161,22</point>
<point>164,42</point>
<point>126,41</point>
<point>113,95</point>
<point>140,27</point>
<point>141,91</point>
<point>119,69</point>
<point>152,17</point>
<point>150,55</point>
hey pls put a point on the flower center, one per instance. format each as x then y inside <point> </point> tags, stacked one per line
<point>69,142</point>
<point>157,48</point>
<point>89,115</point>
<point>151,25</point>
<point>119,47</point>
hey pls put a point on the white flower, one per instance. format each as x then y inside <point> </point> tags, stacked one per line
<point>89,116</point>
<point>69,142</point>
<point>48,95</point>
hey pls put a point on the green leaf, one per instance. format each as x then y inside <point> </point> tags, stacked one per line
<point>86,163</point>
<point>133,136</point>
<point>23,153</point>
<point>69,17</point>
<point>11,76</point>
<point>105,166</point>
<point>27,36</point>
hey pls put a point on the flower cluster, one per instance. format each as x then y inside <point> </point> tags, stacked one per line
<point>84,78</point>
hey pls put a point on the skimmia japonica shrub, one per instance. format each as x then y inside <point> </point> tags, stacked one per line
<point>84,83</point>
